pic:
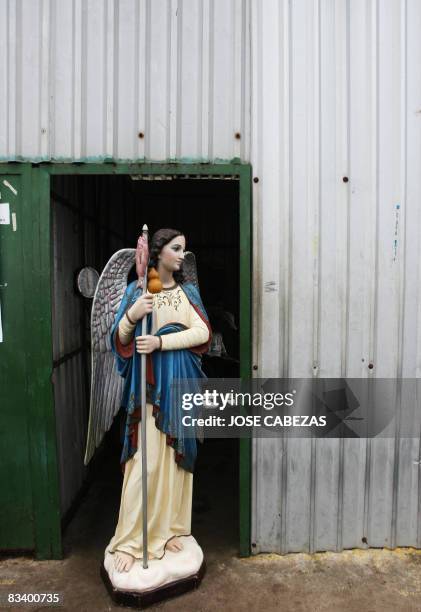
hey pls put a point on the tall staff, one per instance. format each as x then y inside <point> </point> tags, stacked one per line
<point>142,260</point>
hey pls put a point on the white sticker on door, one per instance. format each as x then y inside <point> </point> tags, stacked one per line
<point>5,213</point>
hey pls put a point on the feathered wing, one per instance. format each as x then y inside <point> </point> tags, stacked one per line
<point>189,268</point>
<point>106,384</point>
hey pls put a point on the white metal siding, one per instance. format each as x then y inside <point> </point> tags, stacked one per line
<point>336,93</point>
<point>319,90</point>
<point>82,78</point>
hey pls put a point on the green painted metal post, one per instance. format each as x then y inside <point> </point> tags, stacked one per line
<point>37,263</point>
<point>16,510</point>
<point>245,351</point>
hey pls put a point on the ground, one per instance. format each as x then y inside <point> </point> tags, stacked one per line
<point>354,581</point>
<point>360,581</point>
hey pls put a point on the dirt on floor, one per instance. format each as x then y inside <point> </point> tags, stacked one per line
<point>369,581</point>
<point>355,581</point>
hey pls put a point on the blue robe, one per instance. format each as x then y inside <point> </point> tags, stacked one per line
<point>163,367</point>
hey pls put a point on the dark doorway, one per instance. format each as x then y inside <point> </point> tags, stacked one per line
<point>92,217</point>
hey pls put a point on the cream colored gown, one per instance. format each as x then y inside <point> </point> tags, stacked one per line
<point>170,487</point>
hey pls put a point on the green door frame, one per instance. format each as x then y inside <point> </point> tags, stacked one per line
<point>48,523</point>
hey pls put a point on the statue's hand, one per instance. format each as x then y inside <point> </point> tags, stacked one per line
<point>147,344</point>
<point>141,307</point>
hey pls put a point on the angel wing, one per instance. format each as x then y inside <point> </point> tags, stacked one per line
<point>189,268</point>
<point>106,384</point>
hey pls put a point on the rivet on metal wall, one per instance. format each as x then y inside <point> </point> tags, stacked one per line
<point>345,179</point>
<point>371,366</point>
<point>237,135</point>
<point>256,179</point>
<point>255,367</point>
<point>141,135</point>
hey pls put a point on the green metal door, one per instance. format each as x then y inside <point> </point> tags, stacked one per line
<point>16,513</point>
<point>29,504</point>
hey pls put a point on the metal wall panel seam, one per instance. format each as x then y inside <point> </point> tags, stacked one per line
<point>86,11</point>
<point>373,12</point>
<point>364,338</point>
<point>174,12</point>
<point>271,130</point>
<point>410,482</point>
<point>77,80</point>
<point>116,64</point>
<point>209,118</point>
<point>255,89</point>
<point>288,190</point>
<point>147,97</point>
<point>415,94</point>
<point>285,298</point>
<point>315,96</point>
<point>374,285</point>
<point>44,84</point>
<point>178,110</point>
<point>244,72</point>
<point>110,40</point>
<point>138,79</point>
<point>251,127</point>
<point>402,267</point>
<point>316,119</point>
<point>53,121</point>
<point>345,116</point>
<point>237,70</point>
<point>16,71</point>
<point>342,72</point>
<point>244,111</point>
<point>204,76</point>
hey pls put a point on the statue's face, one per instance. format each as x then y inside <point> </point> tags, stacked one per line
<point>172,254</point>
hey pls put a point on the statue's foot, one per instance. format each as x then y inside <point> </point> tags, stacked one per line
<point>123,561</point>
<point>175,544</point>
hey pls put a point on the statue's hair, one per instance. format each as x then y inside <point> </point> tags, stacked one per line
<point>159,240</point>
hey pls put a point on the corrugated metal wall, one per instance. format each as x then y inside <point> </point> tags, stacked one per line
<point>83,78</point>
<point>336,145</point>
<point>326,99</point>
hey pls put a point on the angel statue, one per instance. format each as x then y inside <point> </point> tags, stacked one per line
<point>176,332</point>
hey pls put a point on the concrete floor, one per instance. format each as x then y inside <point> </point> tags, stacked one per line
<point>353,580</point>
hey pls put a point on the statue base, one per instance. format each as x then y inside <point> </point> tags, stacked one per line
<point>174,574</point>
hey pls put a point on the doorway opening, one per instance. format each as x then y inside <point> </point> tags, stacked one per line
<point>92,216</point>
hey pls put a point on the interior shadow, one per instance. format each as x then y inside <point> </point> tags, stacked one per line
<point>95,216</point>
